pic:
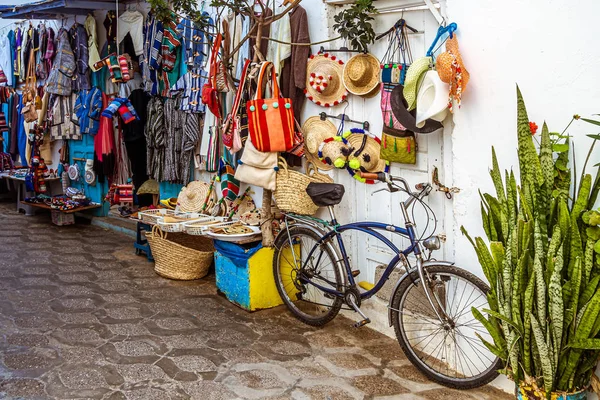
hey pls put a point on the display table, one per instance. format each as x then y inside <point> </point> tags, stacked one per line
<point>60,217</point>
<point>18,184</point>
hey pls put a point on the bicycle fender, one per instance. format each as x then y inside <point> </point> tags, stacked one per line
<point>426,264</point>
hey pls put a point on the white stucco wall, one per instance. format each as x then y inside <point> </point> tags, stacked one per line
<point>548,48</point>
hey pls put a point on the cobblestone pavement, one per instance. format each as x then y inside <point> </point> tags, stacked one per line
<point>82,317</point>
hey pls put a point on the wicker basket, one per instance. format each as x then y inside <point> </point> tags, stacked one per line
<point>180,256</point>
<point>197,227</point>
<point>174,227</point>
<point>290,194</point>
<point>314,174</point>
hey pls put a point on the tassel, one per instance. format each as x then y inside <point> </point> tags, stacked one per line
<point>384,141</point>
<point>395,146</point>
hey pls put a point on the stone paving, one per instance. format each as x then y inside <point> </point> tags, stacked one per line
<point>82,317</point>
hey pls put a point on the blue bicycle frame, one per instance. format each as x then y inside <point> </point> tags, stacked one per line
<point>370,228</point>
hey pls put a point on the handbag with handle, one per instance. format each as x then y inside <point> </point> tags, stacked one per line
<point>232,139</point>
<point>257,168</point>
<point>270,121</point>
<point>210,93</point>
<point>398,146</point>
<point>29,111</point>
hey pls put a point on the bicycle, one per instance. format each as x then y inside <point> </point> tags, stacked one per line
<point>433,322</point>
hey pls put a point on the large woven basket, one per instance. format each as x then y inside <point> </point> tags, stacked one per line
<point>181,256</point>
<point>290,194</point>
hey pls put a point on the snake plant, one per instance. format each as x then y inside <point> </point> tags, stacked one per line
<point>542,260</point>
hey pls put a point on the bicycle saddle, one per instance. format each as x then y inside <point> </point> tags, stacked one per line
<point>325,194</point>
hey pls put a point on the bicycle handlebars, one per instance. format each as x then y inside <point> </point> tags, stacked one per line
<point>389,179</point>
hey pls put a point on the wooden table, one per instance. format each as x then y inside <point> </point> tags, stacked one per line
<point>19,184</point>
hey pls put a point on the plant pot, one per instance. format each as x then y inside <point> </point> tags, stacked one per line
<point>526,392</point>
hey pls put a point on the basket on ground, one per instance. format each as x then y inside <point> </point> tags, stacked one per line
<point>180,256</point>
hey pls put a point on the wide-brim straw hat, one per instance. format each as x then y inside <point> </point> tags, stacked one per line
<point>365,148</point>
<point>362,75</point>
<point>414,77</point>
<point>192,197</point>
<point>149,187</point>
<point>315,131</point>
<point>407,118</point>
<point>324,85</point>
<point>445,60</point>
<point>432,99</point>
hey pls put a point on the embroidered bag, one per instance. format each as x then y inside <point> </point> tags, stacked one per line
<point>210,94</point>
<point>398,146</point>
<point>298,148</point>
<point>29,92</point>
<point>231,127</point>
<point>270,121</point>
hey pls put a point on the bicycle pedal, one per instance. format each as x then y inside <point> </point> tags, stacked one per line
<point>355,273</point>
<point>360,324</point>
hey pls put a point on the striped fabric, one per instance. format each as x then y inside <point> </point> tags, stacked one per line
<point>62,125</point>
<point>151,59</point>
<point>170,42</point>
<point>191,86</point>
<point>155,138</point>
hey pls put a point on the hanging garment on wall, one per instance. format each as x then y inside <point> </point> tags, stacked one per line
<point>191,87</point>
<point>61,76</point>
<point>132,22</point>
<point>17,57</point>
<point>151,59</point>
<point>189,141</point>
<point>278,52</point>
<point>110,24</point>
<point>23,54</point>
<point>87,108</point>
<point>94,55</point>
<point>293,74</point>
<point>6,60</point>
<point>191,40</point>
<point>155,138</point>
<point>50,52</point>
<point>62,125</point>
<point>104,146</point>
<point>243,51</point>
<point>79,45</point>
<point>173,131</point>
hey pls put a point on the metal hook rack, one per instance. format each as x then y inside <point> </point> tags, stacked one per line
<point>345,118</point>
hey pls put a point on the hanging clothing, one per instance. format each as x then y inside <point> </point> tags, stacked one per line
<point>110,23</point>
<point>61,76</point>
<point>174,132</point>
<point>79,44</point>
<point>243,51</point>
<point>88,108</point>
<point>170,44</point>
<point>22,133</point>
<point>23,54</point>
<point>50,52</point>
<point>125,89</point>
<point>278,52</point>
<point>93,54</point>
<point>293,74</point>
<point>62,124</point>
<point>6,60</point>
<point>189,141</point>
<point>104,146</point>
<point>12,40</point>
<point>155,138</point>
<point>132,22</point>
<point>170,77</point>
<point>14,126</point>
<point>191,40</point>
<point>191,86</point>
<point>151,59</point>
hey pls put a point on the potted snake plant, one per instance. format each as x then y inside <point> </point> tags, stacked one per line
<point>542,259</point>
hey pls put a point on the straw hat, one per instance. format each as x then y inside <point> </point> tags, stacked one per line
<point>334,151</point>
<point>414,76</point>
<point>315,132</point>
<point>451,68</point>
<point>432,99</point>
<point>324,80</point>
<point>361,75</point>
<point>364,152</point>
<point>192,197</point>
<point>407,118</point>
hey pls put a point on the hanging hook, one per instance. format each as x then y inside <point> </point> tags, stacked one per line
<point>450,29</point>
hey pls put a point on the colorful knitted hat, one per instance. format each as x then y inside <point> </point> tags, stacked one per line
<point>364,151</point>
<point>334,151</point>
<point>414,76</point>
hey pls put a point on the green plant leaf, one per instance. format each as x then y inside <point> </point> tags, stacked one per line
<point>591,121</point>
<point>560,148</point>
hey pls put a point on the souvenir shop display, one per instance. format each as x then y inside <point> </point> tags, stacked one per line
<point>361,75</point>
<point>324,85</point>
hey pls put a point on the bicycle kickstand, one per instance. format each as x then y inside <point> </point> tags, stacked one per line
<point>365,320</point>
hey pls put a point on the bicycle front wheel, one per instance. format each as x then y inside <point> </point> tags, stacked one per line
<point>450,354</point>
<point>300,263</point>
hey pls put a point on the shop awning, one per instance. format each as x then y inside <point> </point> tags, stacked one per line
<point>55,9</point>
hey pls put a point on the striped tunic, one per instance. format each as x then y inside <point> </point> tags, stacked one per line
<point>191,86</point>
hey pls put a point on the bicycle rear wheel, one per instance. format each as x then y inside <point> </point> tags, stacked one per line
<point>450,354</point>
<point>299,263</point>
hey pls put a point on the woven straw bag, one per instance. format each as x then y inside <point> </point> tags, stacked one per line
<point>181,256</point>
<point>290,194</point>
<point>315,176</point>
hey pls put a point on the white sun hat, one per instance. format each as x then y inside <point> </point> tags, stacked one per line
<point>432,99</point>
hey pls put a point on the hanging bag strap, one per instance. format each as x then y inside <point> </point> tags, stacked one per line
<point>240,91</point>
<point>213,60</point>
<point>261,76</point>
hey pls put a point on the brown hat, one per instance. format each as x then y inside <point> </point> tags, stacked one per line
<point>408,118</point>
<point>364,153</point>
<point>361,75</point>
<point>315,132</point>
<point>324,80</point>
